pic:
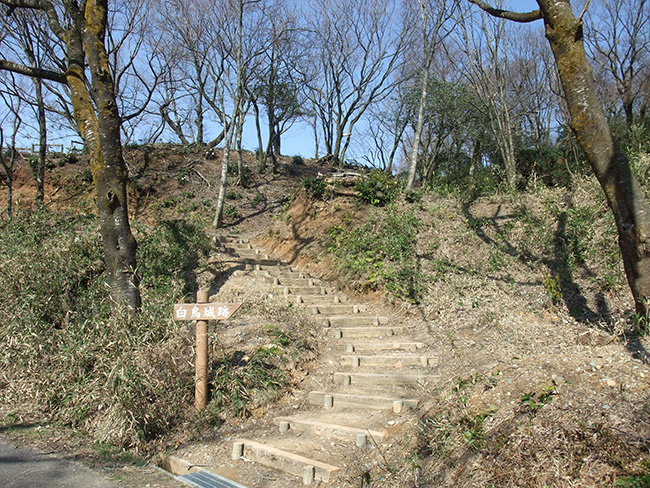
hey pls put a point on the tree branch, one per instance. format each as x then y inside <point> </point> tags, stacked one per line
<point>44,74</point>
<point>45,6</point>
<point>507,14</point>
<point>584,10</point>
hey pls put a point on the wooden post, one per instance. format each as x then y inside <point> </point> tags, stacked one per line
<point>201,377</point>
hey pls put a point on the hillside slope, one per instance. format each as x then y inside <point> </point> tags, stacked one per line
<point>544,379</point>
<point>545,383</point>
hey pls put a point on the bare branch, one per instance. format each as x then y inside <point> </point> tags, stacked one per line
<point>584,10</point>
<point>44,74</point>
<point>507,14</point>
<point>47,7</point>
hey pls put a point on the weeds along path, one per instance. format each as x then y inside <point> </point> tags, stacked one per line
<point>356,402</point>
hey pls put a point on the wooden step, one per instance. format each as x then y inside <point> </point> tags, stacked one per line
<point>355,332</point>
<point>353,321</point>
<point>266,271</point>
<point>395,361</point>
<point>259,262</point>
<point>251,273</point>
<point>348,379</point>
<point>322,429</point>
<point>315,299</point>
<point>249,253</point>
<point>309,469</point>
<point>232,247</point>
<point>293,281</point>
<point>334,309</point>
<point>384,346</point>
<point>231,240</point>
<point>303,290</point>
<point>336,399</point>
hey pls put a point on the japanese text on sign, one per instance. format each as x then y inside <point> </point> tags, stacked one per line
<point>205,311</point>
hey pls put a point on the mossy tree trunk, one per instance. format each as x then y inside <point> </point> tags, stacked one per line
<point>96,115</point>
<point>612,169</point>
<point>107,164</point>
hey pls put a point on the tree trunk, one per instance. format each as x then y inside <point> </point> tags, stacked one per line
<point>277,141</point>
<point>413,163</point>
<point>42,149</point>
<point>261,154</point>
<point>240,158</point>
<point>8,166</point>
<point>221,199</point>
<point>100,126</point>
<point>611,167</point>
<point>10,193</point>
<point>199,121</point>
<point>174,126</point>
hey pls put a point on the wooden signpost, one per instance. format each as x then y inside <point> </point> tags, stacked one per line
<point>202,311</point>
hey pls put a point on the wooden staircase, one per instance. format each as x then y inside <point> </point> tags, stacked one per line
<point>382,369</point>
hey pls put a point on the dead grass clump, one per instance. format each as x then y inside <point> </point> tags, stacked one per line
<point>67,357</point>
<point>258,360</point>
<point>531,444</point>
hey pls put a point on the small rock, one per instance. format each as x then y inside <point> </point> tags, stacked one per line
<point>610,382</point>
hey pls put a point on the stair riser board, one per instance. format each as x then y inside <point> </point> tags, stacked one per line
<point>282,460</point>
<point>311,300</point>
<point>328,431</point>
<point>231,240</point>
<point>335,400</point>
<point>259,263</point>
<point>250,254</point>
<point>361,332</point>
<point>352,321</point>
<point>303,290</point>
<point>238,248</point>
<point>292,281</point>
<point>396,362</point>
<point>351,379</point>
<point>334,309</point>
<point>384,346</point>
<point>265,271</point>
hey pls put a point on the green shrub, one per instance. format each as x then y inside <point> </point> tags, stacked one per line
<point>231,212</point>
<point>378,188</point>
<point>297,159</point>
<point>237,381</point>
<point>315,185</point>
<point>257,199</point>
<point>381,253</point>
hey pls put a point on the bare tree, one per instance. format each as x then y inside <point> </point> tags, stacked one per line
<point>390,119</point>
<point>187,29</point>
<point>30,38</point>
<point>564,32</point>
<point>238,100</point>
<point>133,57</point>
<point>356,48</point>
<point>96,113</point>
<point>619,41</point>
<point>434,27</point>
<point>485,44</point>
<point>276,84</point>
<point>9,153</point>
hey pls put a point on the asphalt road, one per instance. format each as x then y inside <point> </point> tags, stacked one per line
<point>27,468</point>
